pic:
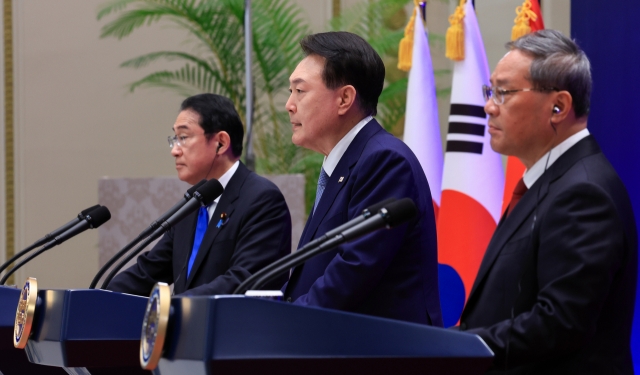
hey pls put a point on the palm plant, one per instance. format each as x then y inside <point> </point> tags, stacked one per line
<point>216,63</point>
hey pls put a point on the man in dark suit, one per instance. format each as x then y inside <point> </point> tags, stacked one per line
<point>392,274</point>
<point>556,288</point>
<point>246,228</point>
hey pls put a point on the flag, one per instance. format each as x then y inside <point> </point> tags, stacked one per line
<point>421,125</point>
<point>473,180</point>
<point>528,20</point>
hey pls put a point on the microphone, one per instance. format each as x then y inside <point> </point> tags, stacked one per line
<point>366,213</point>
<point>394,214</point>
<point>187,196</point>
<point>92,220</point>
<point>49,236</point>
<point>203,196</point>
<point>145,233</point>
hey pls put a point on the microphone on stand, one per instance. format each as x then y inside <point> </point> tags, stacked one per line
<point>145,233</point>
<point>204,195</point>
<point>394,214</point>
<point>366,213</point>
<point>49,236</point>
<point>92,220</point>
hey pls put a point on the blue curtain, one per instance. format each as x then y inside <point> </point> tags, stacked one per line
<point>609,33</point>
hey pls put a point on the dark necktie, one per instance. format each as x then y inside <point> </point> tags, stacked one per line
<point>201,229</point>
<point>518,192</point>
<point>322,183</point>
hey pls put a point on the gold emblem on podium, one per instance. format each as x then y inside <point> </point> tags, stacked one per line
<point>154,326</point>
<point>24,313</point>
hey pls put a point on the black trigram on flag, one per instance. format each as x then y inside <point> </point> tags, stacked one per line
<point>466,128</point>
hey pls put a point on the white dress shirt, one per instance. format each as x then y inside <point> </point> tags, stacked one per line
<point>331,161</point>
<point>224,180</point>
<point>532,174</point>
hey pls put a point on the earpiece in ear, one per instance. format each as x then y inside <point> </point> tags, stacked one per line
<point>556,109</point>
<point>219,146</point>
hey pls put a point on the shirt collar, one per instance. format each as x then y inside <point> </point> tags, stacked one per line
<point>532,174</point>
<point>331,160</point>
<point>226,177</point>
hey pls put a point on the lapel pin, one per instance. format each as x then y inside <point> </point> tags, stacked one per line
<point>223,219</point>
<point>341,179</point>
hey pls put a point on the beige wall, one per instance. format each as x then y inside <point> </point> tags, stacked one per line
<point>75,121</point>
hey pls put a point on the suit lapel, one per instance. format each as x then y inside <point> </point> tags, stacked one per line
<point>529,202</point>
<point>226,204</point>
<point>336,182</point>
<point>508,227</point>
<point>182,244</point>
<point>339,178</point>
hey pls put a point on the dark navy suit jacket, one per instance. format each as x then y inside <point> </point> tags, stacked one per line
<point>257,233</point>
<point>568,281</point>
<point>389,273</point>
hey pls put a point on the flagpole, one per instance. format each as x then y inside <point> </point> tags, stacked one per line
<point>249,156</point>
<point>423,10</point>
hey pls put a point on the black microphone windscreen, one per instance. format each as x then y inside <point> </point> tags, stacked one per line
<point>98,216</point>
<point>194,188</point>
<point>85,212</point>
<point>400,211</point>
<point>374,208</point>
<point>211,190</point>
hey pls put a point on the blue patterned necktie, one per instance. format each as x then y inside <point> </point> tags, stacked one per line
<point>322,183</point>
<point>201,229</point>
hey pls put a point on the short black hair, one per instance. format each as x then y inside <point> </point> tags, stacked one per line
<point>217,113</point>
<point>349,60</point>
<point>560,63</point>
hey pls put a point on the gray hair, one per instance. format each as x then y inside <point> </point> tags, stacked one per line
<point>558,63</point>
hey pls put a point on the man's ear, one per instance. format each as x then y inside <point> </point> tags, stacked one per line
<point>347,98</point>
<point>562,105</point>
<point>224,142</point>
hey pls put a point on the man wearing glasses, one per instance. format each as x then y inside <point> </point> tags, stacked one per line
<point>555,291</point>
<point>248,227</point>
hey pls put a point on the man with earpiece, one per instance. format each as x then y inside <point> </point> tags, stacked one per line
<point>248,227</point>
<point>556,288</point>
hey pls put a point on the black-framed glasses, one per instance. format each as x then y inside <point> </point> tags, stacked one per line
<point>497,94</point>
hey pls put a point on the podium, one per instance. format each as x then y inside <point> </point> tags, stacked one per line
<point>243,335</point>
<point>14,361</point>
<point>87,331</point>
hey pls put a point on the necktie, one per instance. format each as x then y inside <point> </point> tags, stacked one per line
<point>322,183</point>
<point>201,228</point>
<point>518,192</point>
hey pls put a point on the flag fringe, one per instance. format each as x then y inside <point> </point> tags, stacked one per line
<point>455,34</point>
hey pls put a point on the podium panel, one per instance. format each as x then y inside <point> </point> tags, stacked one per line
<point>14,361</point>
<point>94,329</point>
<point>241,335</point>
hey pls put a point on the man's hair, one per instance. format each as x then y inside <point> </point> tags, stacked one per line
<point>349,60</point>
<point>217,113</point>
<point>558,63</point>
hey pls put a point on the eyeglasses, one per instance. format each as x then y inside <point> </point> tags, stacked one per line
<point>497,94</point>
<point>181,140</point>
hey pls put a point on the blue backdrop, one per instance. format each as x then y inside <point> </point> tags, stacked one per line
<point>609,33</point>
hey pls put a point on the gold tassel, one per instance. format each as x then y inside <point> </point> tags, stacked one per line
<point>405,51</point>
<point>455,34</point>
<point>522,23</point>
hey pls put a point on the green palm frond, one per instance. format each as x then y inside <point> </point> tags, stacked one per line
<point>188,80</point>
<point>113,6</point>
